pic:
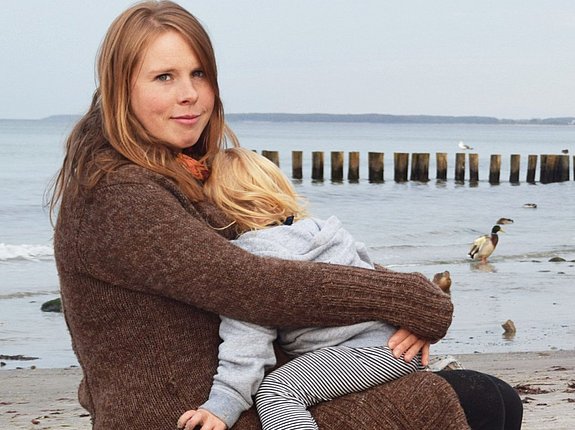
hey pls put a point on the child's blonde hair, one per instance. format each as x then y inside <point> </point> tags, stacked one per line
<point>252,190</point>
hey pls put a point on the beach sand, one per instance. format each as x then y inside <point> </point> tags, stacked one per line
<point>46,398</point>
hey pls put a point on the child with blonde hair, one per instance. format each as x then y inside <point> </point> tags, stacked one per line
<point>252,191</point>
<point>327,362</point>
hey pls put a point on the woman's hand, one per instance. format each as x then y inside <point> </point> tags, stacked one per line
<point>202,418</point>
<point>405,342</point>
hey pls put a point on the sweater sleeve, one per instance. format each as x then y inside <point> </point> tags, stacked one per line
<point>144,235</point>
<point>245,353</point>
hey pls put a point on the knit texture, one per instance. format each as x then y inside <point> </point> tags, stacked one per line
<point>143,276</point>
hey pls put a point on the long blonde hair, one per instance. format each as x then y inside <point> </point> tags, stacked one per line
<point>109,134</point>
<point>252,190</point>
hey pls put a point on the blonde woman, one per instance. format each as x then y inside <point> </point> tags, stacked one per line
<point>144,275</point>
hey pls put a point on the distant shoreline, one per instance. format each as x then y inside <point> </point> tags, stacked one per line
<point>349,118</point>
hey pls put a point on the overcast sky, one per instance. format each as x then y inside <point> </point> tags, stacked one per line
<point>504,58</point>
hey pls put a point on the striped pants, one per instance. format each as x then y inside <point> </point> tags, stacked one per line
<point>286,393</point>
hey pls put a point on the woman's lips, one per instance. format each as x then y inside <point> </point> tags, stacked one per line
<point>186,119</point>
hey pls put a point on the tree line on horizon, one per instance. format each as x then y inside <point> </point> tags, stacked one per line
<point>357,118</point>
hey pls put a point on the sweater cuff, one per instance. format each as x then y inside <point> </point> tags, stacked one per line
<point>225,406</point>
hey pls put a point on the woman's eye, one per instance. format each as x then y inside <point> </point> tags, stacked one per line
<point>198,74</point>
<point>163,78</point>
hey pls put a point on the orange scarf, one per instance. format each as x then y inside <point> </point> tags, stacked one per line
<point>198,169</point>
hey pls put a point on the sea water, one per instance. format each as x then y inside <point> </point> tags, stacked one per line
<point>411,226</point>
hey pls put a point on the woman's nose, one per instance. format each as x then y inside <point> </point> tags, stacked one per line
<point>187,92</point>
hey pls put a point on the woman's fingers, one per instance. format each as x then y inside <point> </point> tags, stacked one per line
<point>405,343</point>
<point>398,337</point>
<point>413,349</point>
<point>425,354</point>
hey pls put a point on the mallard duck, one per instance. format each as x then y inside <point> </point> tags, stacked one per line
<point>443,281</point>
<point>484,245</point>
<point>502,221</point>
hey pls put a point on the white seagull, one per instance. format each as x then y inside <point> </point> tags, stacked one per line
<point>463,145</point>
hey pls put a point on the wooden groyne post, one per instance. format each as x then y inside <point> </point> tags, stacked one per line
<point>564,167</point>
<point>353,167</point>
<point>473,168</point>
<point>296,164</point>
<point>317,166</point>
<point>272,156</point>
<point>375,164</point>
<point>531,167</point>
<point>419,167</point>
<point>548,169</point>
<point>514,168</point>
<point>459,167</point>
<point>337,166</point>
<point>494,169</point>
<point>441,166</point>
<point>400,162</point>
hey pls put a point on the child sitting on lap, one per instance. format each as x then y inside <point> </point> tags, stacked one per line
<point>328,362</point>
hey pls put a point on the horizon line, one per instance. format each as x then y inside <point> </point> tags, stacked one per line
<point>366,117</point>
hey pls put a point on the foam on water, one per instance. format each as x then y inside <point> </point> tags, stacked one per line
<point>25,252</point>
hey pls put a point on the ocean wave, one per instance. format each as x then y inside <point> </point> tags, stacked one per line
<point>28,294</point>
<point>26,252</point>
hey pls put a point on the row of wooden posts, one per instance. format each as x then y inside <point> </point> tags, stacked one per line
<point>553,168</point>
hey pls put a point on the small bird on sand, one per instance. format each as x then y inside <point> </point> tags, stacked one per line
<point>502,221</point>
<point>530,205</point>
<point>443,281</point>
<point>463,145</point>
<point>484,245</point>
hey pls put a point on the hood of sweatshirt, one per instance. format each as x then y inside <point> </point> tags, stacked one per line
<point>310,239</point>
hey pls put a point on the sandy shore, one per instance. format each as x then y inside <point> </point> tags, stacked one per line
<point>46,398</point>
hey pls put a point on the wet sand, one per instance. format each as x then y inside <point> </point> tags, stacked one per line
<point>46,398</point>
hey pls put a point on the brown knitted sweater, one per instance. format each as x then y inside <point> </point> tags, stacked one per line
<point>144,276</point>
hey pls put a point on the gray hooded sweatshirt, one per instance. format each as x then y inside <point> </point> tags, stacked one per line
<point>246,351</point>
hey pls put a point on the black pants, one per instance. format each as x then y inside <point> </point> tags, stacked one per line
<point>489,403</point>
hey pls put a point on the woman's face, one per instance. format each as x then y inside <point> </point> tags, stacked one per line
<point>171,96</point>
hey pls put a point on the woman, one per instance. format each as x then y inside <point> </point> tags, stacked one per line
<point>144,274</point>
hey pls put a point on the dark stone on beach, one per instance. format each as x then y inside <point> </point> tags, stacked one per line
<point>54,305</point>
<point>556,260</point>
